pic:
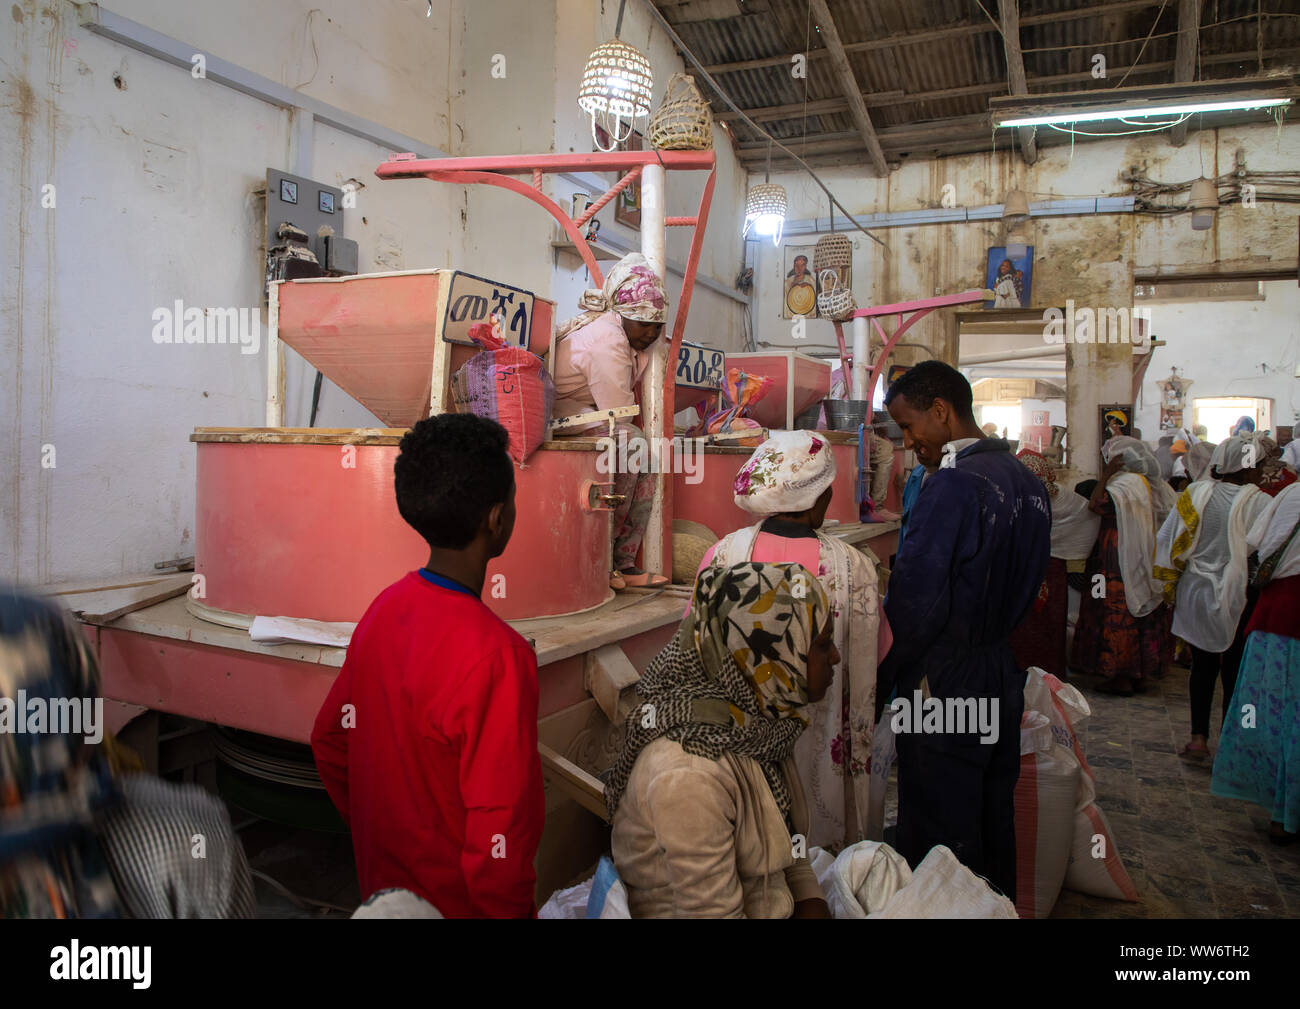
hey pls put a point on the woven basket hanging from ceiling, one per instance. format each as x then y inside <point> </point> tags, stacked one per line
<point>832,252</point>
<point>684,121</point>
<point>834,302</point>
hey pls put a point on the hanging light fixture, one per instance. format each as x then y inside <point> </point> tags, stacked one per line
<point>1203,201</point>
<point>616,88</point>
<point>765,206</point>
<point>1015,214</point>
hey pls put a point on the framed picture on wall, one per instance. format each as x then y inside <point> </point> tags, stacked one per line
<point>1115,419</point>
<point>627,204</point>
<point>1010,277</point>
<point>799,290</point>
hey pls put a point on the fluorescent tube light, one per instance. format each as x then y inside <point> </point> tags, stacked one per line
<point>1153,110</point>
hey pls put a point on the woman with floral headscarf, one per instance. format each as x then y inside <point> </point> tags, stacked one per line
<point>704,798</point>
<point>1123,630</point>
<point>786,486</point>
<point>599,357</point>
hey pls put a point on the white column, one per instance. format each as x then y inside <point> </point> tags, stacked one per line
<point>861,357</point>
<point>653,247</point>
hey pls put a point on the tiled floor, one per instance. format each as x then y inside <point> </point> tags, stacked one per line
<point>1190,854</point>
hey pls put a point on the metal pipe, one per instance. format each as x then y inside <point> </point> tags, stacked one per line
<point>654,239</point>
<point>861,357</point>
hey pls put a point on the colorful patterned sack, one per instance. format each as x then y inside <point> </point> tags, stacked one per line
<point>738,393</point>
<point>509,385</point>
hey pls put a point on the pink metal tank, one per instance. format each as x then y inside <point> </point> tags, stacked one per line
<point>296,522</point>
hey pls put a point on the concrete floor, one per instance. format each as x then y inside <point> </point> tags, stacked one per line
<point>1190,853</point>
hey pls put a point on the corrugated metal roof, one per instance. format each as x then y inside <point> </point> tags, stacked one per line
<point>930,92</point>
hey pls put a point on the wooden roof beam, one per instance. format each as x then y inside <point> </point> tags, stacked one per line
<point>1189,31</point>
<point>849,84</point>
<point>1009,15</point>
<point>924,35</point>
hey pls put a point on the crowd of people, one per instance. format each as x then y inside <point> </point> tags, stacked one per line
<point>751,737</point>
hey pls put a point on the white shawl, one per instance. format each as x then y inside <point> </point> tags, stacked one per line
<point>1074,526</point>
<point>1137,541</point>
<point>837,814</point>
<point>1273,526</point>
<point>1210,595</point>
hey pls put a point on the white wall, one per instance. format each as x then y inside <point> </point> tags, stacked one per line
<point>155,188</point>
<point>1228,348</point>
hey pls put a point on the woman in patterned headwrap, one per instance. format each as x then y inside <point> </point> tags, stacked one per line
<point>786,486</point>
<point>599,357</point>
<point>707,808</point>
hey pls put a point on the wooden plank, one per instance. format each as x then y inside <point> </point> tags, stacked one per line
<point>1189,31</point>
<point>607,672</point>
<point>583,788</point>
<point>105,603</point>
<point>849,85</point>
<point>1009,12</point>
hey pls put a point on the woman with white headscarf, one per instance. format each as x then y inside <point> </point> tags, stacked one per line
<point>1259,750</point>
<point>1201,556</point>
<point>600,355</point>
<point>786,484</point>
<point>1123,630</point>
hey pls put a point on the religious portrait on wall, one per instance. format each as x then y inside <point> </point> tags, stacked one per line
<point>1116,420</point>
<point>1173,400</point>
<point>1010,277</point>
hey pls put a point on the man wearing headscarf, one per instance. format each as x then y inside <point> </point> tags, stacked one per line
<point>975,554</point>
<point>786,484</point>
<point>1201,558</point>
<point>704,799</point>
<point>1123,632</point>
<point>600,355</point>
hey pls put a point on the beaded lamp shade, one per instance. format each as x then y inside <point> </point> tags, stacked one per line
<point>615,91</point>
<point>765,210</point>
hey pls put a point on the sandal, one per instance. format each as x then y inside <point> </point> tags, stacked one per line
<point>1198,752</point>
<point>644,580</point>
<point>616,581</point>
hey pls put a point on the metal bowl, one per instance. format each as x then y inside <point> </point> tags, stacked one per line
<point>846,414</point>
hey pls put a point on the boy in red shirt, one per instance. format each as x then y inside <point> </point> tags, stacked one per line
<point>427,742</point>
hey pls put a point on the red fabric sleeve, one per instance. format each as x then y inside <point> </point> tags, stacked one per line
<point>494,716</point>
<point>329,742</point>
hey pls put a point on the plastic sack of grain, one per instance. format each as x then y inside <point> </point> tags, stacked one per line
<point>508,385</point>
<point>1045,807</point>
<point>1065,707</point>
<point>861,879</point>
<point>941,887</point>
<point>1095,866</point>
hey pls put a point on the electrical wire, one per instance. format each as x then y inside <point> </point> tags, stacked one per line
<point>690,58</point>
<point>1159,14</point>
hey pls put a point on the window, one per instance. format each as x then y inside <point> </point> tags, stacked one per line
<point>1220,414</point>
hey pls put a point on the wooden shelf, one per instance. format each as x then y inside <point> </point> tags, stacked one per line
<point>598,250</point>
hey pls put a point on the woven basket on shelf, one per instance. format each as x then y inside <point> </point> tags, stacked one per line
<point>684,121</point>
<point>832,252</point>
<point>834,302</point>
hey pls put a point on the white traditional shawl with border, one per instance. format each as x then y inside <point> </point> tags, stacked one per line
<point>1135,518</point>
